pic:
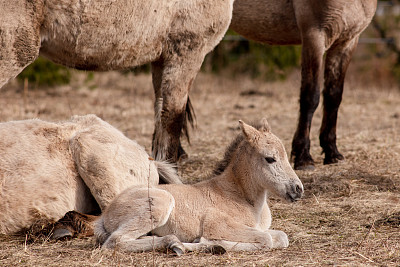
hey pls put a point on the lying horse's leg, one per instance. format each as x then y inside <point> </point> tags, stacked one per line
<point>19,37</point>
<point>74,224</point>
<point>172,81</point>
<point>311,68</point>
<point>337,60</point>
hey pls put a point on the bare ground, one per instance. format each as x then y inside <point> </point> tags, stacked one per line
<point>349,216</point>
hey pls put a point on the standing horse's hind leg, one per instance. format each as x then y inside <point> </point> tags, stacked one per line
<point>337,60</point>
<point>311,68</point>
<point>172,81</point>
<point>157,72</point>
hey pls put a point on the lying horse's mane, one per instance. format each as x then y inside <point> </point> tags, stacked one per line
<point>221,166</point>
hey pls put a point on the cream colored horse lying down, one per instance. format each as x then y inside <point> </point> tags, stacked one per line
<point>228,211</point>
<point>48,169</point>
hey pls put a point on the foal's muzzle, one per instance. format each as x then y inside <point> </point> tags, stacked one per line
<point>295,192</point>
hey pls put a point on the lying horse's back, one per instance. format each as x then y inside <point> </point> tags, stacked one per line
<point>48,169</point>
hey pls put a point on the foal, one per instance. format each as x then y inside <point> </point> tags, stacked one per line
<point>228,211</point>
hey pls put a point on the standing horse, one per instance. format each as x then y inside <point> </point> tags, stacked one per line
<point>330,27</point>
<point>103,35</point>
<point>229,210</point>
<point>48,169</point>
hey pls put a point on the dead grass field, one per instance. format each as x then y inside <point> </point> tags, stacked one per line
<point>349,216</point>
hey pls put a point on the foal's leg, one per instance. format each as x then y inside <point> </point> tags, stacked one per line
<point>312,57</point>
<point>172,80</point>
<point>220,226</point>
<point>337,60</point>
<point>132,215</point>
<point>220,246</point>
<point>19,37</point>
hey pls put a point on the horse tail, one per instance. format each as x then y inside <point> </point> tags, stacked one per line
<point>190,118</point>
<point>167,173</point>
<point>100,231</point>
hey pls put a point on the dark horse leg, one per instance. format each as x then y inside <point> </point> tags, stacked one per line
<point>74,224</point>
<point>337,60</point>
<point>172,82</point>
<point>311,69</point>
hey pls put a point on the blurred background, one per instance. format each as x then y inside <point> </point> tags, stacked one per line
<point>376,61</point>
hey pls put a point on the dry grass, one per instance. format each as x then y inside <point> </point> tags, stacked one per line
<point>348,217</point>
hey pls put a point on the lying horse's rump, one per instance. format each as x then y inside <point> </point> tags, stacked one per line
<point>48,169</point>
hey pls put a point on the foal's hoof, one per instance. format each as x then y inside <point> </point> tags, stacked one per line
<point>178,251</point>
<point>62,233</point>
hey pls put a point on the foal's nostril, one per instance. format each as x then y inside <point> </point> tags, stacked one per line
<point>299,189</point>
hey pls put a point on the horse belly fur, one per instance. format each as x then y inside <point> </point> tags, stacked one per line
<point>102,35</point>
<point>266,21</point>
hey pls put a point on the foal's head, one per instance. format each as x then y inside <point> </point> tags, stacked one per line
<point>263,162</point>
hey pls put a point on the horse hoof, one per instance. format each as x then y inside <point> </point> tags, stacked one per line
<point>333,159</point>
<point>304,166</point>
<point>178,251</point>
<point>62,233</point>
<point>217,250</point>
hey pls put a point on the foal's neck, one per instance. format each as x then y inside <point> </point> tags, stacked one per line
<point>241,187</point>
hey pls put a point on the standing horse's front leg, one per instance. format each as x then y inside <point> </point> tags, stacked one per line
<point>337,60</point>
<point>311,68</point>
<point>172,80</point>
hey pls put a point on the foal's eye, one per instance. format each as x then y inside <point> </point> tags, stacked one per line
<point>270,160</point>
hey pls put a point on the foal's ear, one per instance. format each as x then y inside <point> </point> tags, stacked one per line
<point>251,133</point>
<point>265,126</point>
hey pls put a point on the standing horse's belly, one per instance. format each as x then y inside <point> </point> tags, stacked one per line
<point>267,21</point>
<point>105,34</point>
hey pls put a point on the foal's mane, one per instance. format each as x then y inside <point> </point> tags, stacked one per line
<point>222,164</point>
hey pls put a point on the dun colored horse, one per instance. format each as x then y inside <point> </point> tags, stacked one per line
<point>103,35</point>
<point>330,27</point>
<point>48,169</point>
<point>229,211</point>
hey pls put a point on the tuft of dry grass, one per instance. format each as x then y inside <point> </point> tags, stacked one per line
<point>349,215</point>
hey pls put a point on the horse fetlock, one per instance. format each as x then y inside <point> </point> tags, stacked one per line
<point>302,161</point>
<point>331,158</point>
<point>332,155</point>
